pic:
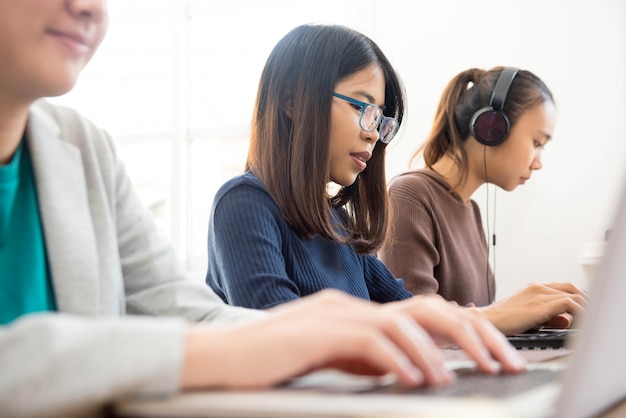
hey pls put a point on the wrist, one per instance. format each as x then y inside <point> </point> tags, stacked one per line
<point>492,314</point>
<point>202,362</point>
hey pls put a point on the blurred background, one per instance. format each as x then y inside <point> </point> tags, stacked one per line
<point>175,80</point>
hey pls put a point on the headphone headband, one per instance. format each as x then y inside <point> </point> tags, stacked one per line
<point>501,90</point>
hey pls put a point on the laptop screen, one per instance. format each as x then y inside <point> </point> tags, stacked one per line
<point>594,381</point>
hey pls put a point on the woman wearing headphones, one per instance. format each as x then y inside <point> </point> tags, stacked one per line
<point>490,127</point>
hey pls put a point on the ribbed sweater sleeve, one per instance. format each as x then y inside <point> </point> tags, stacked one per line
<point>436,241</point>
<point>256,260</point>
<point>245,256</point>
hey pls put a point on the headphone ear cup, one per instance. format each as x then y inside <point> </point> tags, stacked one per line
<point>489,126</point>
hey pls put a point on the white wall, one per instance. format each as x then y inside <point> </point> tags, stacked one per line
<point>578,48</point>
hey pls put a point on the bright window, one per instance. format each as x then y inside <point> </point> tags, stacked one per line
<point>174,83</point>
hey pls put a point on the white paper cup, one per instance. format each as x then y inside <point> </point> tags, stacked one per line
<point>591,258</point>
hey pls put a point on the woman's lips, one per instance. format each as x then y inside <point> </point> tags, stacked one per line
<point>73,42</point>
<point>359,162</point>
<point>361,159</point>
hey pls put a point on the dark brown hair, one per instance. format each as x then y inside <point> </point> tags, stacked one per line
<point>289,144</point>
<point>466,93</point>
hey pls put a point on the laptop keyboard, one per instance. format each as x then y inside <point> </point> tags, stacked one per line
<point>541,339</point>
<point>471,382</point>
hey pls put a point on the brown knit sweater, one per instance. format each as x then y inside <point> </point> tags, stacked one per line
<point>436,241</point>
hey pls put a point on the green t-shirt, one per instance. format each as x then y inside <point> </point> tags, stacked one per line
<point>25,283</point>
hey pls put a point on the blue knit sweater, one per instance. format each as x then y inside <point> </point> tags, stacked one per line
<point>257,260</point>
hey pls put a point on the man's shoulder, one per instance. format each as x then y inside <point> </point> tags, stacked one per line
<point>67,124</point>
<point>59,114</point>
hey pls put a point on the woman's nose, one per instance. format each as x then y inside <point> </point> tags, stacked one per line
<point>88,9</point>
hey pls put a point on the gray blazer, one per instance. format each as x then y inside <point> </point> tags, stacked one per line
<point>106,261</point>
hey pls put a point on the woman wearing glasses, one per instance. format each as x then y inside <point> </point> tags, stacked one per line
<point>277,233</point>
<point>490,127</point>
<point>328,104</point>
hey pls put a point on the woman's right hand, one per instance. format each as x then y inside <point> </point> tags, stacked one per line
<point>331,330</point>
<point>552,304</point>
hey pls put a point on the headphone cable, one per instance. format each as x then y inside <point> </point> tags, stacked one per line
<point>493,237</point>
<point>487,222</point>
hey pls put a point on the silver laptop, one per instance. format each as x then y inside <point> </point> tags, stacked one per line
<point>586,383</point>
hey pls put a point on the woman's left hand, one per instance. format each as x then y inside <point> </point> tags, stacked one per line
<point>447,323</point>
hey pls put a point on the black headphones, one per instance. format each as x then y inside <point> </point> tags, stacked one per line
<point>490,125</point>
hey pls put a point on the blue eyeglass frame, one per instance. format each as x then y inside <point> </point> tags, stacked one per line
<point>382,120</point>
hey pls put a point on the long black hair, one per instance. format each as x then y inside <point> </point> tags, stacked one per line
<point>289,146</point>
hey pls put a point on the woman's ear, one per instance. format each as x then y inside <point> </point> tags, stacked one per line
<point>288,106</point>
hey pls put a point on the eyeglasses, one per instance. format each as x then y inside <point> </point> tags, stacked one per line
<point>371,117</point>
